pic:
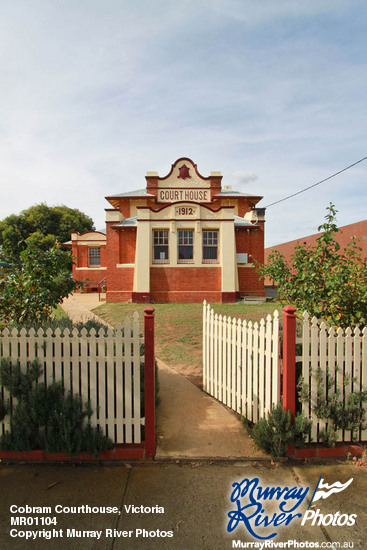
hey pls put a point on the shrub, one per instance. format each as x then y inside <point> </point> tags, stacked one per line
<point>275,432</point>
<point>61,323</point>
<point>46,418</point>
<point>340,413</point>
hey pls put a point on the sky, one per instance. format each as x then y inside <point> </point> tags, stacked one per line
<point>273,94</point>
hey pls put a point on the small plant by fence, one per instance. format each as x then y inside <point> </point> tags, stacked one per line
<point>241,364</point>
<point>105,368</point>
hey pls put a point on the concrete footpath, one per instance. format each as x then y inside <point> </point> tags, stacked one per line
<point>193,424</point>
<point>175,506</point>
<point>78,307</point>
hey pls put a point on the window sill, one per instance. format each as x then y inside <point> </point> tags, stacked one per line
<point>160,262</point>
<point>185,261</point>
<point>94,267</point>
<point>212,262</point>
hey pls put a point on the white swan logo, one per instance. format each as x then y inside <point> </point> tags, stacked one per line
<point>324,490</point>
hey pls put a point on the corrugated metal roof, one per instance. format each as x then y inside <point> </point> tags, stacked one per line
<point>133,221</point>
<point>127,222</point>
<point>241,221</point>
<point>137,193</point>
<point>232,193</point>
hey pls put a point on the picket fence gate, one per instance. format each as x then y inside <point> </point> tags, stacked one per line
<point>104,367</point>
<point>241,362</point>
<point>337,358</point>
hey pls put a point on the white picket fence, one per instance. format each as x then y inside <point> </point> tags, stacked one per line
<point>241,363</point>
<point>103,367</point>
<point>337,354</point>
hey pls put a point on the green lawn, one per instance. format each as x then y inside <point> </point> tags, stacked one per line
<point>58,313</point>
<point>178,328</point>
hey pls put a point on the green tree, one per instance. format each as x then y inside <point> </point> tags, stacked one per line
<point>42,224</point>
<point>32,285</point>
<point>328,282</point>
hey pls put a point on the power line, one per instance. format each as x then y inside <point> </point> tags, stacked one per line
<point>318,183</point>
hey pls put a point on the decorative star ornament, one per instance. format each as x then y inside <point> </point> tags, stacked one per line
<point>184,172</point>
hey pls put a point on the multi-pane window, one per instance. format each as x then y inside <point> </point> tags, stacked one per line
<point>185,246</point>
<point>210,247</point>
<point>94,256</point>
<point>160,247</point>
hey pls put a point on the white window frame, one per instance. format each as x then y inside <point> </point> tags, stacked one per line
<point>190,235</point>
<point>162,236</point>
<point>94,252</point>
<point>212,244</point>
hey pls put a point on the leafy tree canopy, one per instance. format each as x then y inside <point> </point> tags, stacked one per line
<point>32,285</point>
<point>43,225</point>
<point>328,282</point>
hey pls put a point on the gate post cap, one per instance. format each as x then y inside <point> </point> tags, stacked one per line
<point>290,310</point>
<point>149,310</point>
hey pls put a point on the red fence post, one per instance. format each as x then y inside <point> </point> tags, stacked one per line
<point>149,382</point>
<point>289,360</point>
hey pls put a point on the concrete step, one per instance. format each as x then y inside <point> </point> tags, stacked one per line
<point>253,299</point>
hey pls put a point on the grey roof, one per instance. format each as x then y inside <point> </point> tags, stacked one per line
<point>133,222</point>
<point>99,231</point>
<point>127,222</point>
<point>232,193</point>
<point>137,193</point>
<point>241,221</point>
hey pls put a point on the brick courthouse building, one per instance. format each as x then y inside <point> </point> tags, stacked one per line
<point>181,239</point>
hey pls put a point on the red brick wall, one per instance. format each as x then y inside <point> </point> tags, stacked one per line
<point>249,283</point>
<point>243,207</point>
<point>165,297</point>
<point>125,207</point>
<point>80,255</point>
<point>117,296</point>
<point>113,247</point>
<point>252,242</point>
<point>90,274</point>
<point>185,279</point>
<point>185,284</point>
<point>127,245</point>
<point>119,279</point>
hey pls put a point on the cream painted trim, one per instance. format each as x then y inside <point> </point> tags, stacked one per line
<point>245,265</point>
<point>90,268</point>
<point>186,265</point>
<point>125,265</point>
<point>114,216</point>
<point>90,243</point>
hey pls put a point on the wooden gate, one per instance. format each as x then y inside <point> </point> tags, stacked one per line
<point>241,362</point>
